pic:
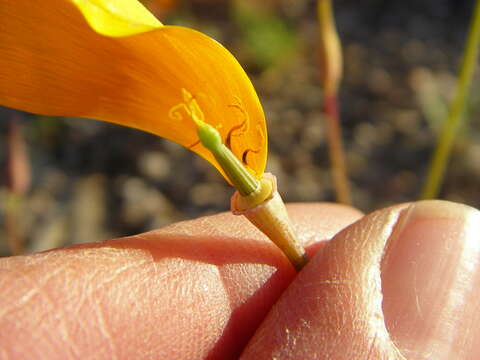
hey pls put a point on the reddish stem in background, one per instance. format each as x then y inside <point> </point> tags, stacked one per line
<point>18,182</point>
<point>331,64</point>
<point>335,149</point>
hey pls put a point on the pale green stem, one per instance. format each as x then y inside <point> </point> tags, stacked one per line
<point>331,66</point>
<point>448,132</point>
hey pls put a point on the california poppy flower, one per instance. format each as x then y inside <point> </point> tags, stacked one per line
<point>114,61</point>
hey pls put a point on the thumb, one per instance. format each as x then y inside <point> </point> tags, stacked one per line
<point>398,284</point>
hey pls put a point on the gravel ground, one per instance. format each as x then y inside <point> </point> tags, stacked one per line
<point>91,181</point>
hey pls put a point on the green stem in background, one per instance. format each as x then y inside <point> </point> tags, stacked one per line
<point>331,66</point>
<point>12,216</point>
<point>449,130</point>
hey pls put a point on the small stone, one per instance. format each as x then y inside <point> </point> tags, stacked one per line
<point>155,165</point>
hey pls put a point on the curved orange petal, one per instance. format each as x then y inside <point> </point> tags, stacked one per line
<point>52,62</point>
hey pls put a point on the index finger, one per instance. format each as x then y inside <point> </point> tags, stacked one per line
<point>192,290</point>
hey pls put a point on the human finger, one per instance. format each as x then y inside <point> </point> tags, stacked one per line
<point>401,283</point>
<point>193,290</point>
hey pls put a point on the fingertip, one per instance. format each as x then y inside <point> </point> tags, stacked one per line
<point>430,275</point>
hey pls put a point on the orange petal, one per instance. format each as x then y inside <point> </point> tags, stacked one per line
<point>117,17</point>
<point>52,62</point>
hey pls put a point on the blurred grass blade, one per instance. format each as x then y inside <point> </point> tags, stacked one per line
<point>265,37</point>
<point>450,127</point>
<point>330,49</point>
<point>331,73</point>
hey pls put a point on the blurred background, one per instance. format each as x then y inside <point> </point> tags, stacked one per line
<point>69,180</point>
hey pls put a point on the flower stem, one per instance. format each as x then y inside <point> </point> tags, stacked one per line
<point>258,201</point>
<point>265,209</point>
<point>450,127</point>
<point>331,66</point>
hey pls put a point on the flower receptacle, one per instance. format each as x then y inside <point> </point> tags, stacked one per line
<point>265,209</point>
<point>258,200</point>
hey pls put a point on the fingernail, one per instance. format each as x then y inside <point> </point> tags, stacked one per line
<point>430,276</point>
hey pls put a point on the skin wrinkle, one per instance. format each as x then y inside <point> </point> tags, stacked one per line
<point>185,290</point>
<point>235,275</point>
<point>84,296</point>
<point>461,284</point>
<point>102,326</point>
<point>23,300</point>
<point>39,290</point>
<point>119,272</point>
<point>51,275</point>
<point>415,289</point>
<point>87,298</point>
<point>219,314</point>
<point>60,316</point>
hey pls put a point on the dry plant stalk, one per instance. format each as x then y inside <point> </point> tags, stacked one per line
<point>18,182</point>
<point>331,74</point>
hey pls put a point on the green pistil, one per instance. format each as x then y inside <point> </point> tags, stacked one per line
<point>240,177</point>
